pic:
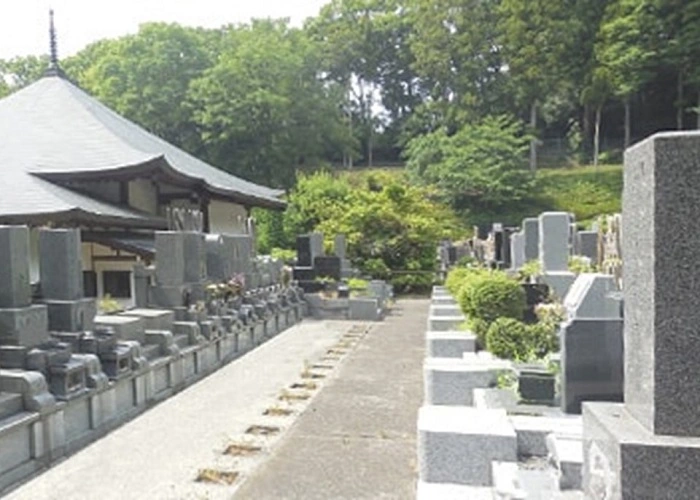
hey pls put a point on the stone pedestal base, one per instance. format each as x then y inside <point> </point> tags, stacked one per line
<point>559,282</point>
<point>27,326</point>
<point>71,315</point>
<point>624,460</point>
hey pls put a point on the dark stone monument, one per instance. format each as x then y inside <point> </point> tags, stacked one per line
<point>328,266</point>
<point>531,230</point>
<point>649,447</point>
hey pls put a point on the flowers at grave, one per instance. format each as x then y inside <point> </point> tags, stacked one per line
<point>227,290</point>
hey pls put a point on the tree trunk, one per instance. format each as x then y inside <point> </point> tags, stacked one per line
<point>596,136</point>
<point>370,153</point>
<point>586,130</point>
<point>628,124</point>
<point>533,141</point>
<point>679,111</point>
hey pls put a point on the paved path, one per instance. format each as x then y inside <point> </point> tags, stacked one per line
<point>158,455</point>
<point>357,440</point>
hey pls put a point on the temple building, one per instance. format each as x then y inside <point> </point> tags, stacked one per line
<point>66,160</point>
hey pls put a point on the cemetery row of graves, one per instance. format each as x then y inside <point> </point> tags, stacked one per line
<point>549,374</point>
<point>70,372</point>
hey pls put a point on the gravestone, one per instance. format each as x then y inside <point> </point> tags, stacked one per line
<point>340,246</point>
<point>309,246</point>
<point>554,231</point>
<point>498,241</point>
<point>649,447</point>
<point>21,322</point>
<point>61,276</point>
<point>170,258</point>
<point>517,250</point>
<point>554,241</point>
<point>328,266</point>
<point>194,255</point>
<point>587,244</point>
<point>531,232</point>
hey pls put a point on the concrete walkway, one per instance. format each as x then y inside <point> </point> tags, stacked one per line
<point>358,438</point>
<point>159,454</point>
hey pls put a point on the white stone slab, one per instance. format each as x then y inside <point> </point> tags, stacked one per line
<point>457,444</point>
<point>449,381</point>
<point>450,344</point>
<point>445,323</point>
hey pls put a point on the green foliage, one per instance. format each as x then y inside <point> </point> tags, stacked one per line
<point>480,328</point>
<point>578,265</point>
<point>392,228</point>
<point>457,277</point>
<point>529,270</point>
<point>509,338</point>
<point>481,164</point>
<point>357,284</point>
<point>283,254</point>
<point>491,296</point>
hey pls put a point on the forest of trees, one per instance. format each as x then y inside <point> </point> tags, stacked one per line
<point>365,79</point>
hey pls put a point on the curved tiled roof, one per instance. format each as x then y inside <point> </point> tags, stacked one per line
<point>53,129</point>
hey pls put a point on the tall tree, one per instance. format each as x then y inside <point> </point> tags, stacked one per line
<point>535,39</point>
<point>146,77</point>
<point>262,109</point>
<point>624,52</point>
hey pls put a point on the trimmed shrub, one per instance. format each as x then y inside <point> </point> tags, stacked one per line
<point>491,296</point>
<point>479,327</point>
<point>508,338</point>
<point>457,277</point>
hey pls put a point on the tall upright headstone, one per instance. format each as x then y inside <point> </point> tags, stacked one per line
<point>61,278</point>
<point>531,230</point>
<point>517,250</point>
<point>649,447</point>
<point>21,322</point>
<point>554,241</point>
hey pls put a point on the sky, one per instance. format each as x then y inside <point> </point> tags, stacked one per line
<point>24,23</point>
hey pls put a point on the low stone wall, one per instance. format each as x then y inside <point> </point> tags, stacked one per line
<point>31,441</point>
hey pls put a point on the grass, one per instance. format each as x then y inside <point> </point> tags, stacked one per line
<point>309,386</point>
<point>585,191</point>
<point>262,430</point>
<point>241,449</point>
<point>294,396</point>
<point>216,476</point>
<point>277,411</point>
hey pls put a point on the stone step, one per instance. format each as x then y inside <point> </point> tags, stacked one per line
<point>566,454</point>
<point>506,481</point>
<point>445,311</point>
<point>540,481</point>
<point>10,404</point>
<point>456,444</point>
<point>451,344</point>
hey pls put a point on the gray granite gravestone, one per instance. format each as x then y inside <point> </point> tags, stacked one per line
<point>531,230</point>
<point>170,258</point>
<point>591,343</point>
<point>649,447</point>
<point>517,250</point>
<point>554,231</point>
<point>587,244</point>
<point>61,271</point>
<point>340,246</point>
<point>194,254</point>
<point>61,276</point>
<point>21,323</point>
<point>554,241</point>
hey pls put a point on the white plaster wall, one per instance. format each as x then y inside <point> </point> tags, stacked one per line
<point>34,255</point>
<point>226,218</point>
<point>91,250</point>
<point>143,196</point>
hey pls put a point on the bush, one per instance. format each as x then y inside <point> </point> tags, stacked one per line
<point>479,327</point>
<point>491,296</point>
<point>458,276</point>
<point>286,256</point>
<point>508,338</point>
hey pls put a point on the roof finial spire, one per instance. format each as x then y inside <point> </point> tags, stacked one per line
<point>52,41</point>
<point>53,69</point>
